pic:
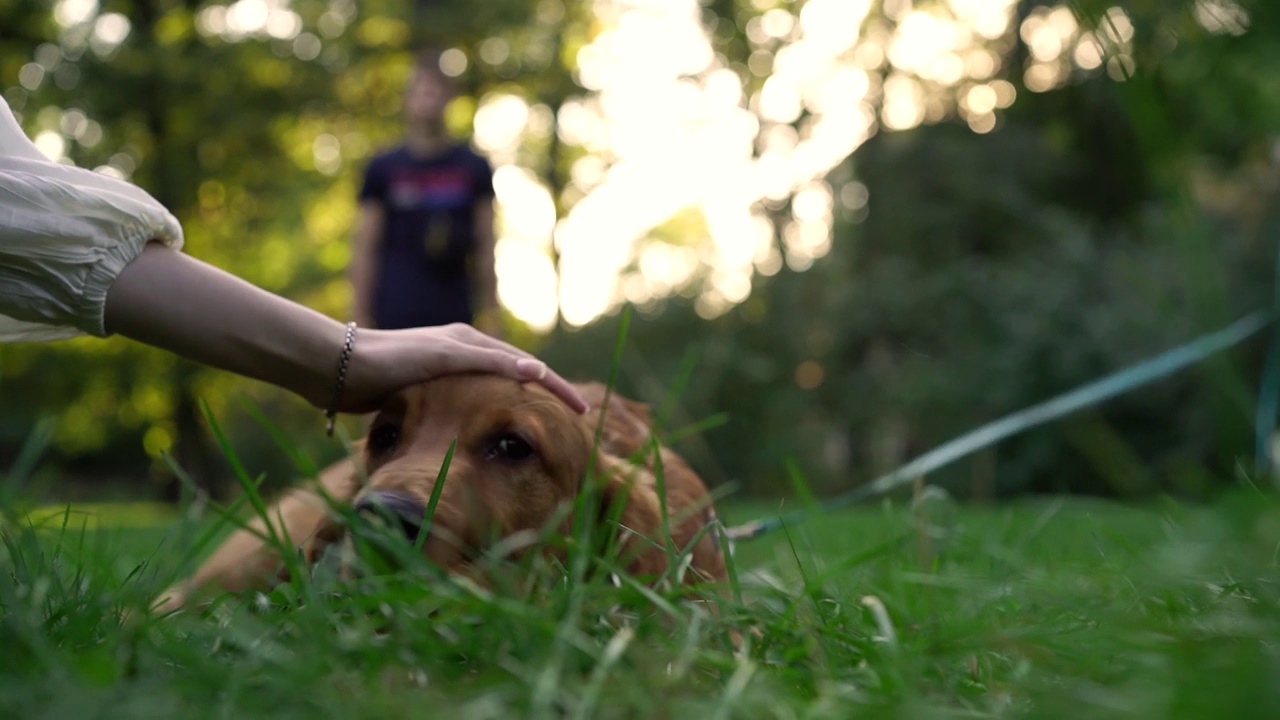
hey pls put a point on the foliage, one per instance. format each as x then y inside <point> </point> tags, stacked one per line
<point>974,268</point>
<point>953,303</point>
<point>975,274</point>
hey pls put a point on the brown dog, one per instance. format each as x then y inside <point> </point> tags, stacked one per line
<point>521,456</point>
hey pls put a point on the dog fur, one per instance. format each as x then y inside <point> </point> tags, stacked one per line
<point>521,456</point>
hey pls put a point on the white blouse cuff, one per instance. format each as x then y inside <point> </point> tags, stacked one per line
<point>65,235</point>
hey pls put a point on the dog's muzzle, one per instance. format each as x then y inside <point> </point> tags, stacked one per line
<point>398,509</point>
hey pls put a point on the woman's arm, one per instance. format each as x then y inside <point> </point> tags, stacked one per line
<point>173,301</point>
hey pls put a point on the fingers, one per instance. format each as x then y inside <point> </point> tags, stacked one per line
<point>479,351</point>
<point>518,365</point>
<point>389,360</point>
<point>472,336</point>
<point>528,369</point>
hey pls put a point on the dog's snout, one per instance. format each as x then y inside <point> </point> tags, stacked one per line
<point>397,508</point>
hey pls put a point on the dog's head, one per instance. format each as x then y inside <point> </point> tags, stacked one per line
<point>519,462</point>
<point>522,462</point>
<point>519,455</point>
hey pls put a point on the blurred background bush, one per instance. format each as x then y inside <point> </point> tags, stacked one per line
<point>855,228</point>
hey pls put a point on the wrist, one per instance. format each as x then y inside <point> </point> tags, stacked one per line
<point>344,365</point>
<point>366,369</point>
<point>306,361</point>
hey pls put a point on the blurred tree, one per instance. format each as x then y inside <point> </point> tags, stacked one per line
<point>1112,212</point>
<point>255,158</point>
<point>1092,184</point>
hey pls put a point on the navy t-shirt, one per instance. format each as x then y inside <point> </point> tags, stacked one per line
<point>422,267</point>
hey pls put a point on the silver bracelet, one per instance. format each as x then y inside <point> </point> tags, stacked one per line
<point>343,361</point>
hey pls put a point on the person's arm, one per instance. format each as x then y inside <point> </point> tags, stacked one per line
<point>83,255</point>
<point>488,312</point>
<point>175,302</point>
<point>363,268</point>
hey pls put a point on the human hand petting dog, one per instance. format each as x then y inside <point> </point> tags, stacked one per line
<point>384,361</point>
<point>173,301</point>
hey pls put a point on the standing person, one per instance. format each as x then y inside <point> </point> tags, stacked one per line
<point>424,244</point>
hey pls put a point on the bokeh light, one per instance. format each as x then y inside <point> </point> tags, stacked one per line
<point>682,129</point>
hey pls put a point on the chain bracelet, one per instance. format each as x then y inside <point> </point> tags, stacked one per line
<point>344,361</point>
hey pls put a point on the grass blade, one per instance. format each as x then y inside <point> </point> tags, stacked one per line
<point>430,513</point>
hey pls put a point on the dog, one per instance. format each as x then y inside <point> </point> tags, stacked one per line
<point>520,459</point>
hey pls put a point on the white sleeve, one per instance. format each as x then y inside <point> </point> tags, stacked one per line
<point>65,234</point>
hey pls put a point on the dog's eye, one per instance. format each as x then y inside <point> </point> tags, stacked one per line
<point>512,447</point>
<point>384,437</point>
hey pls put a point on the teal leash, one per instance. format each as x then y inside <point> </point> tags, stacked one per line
<point>1093,393</point>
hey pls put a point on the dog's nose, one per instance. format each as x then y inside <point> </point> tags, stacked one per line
<point>399,509</point>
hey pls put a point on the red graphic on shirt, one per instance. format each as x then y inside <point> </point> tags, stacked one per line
<point>430,188</point>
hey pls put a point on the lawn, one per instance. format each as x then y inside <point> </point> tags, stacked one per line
<point>1047,608</point>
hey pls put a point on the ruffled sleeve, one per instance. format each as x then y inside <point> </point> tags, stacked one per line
<point>65,234</point>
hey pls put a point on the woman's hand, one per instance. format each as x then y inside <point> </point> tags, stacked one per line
<point>383,361</point>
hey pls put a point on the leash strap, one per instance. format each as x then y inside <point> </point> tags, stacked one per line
<point>1093,393</point>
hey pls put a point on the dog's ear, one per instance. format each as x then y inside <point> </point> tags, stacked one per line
<point>630,517</point>
<point>627,427</point>
<point>641,411</point>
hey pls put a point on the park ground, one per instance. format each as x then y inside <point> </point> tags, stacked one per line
<point>1043,608</point>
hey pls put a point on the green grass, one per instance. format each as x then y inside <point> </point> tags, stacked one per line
<point>1041,609</point>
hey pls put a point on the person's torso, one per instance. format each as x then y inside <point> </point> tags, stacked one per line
<point>428,238</point>
<point>429,207</point>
